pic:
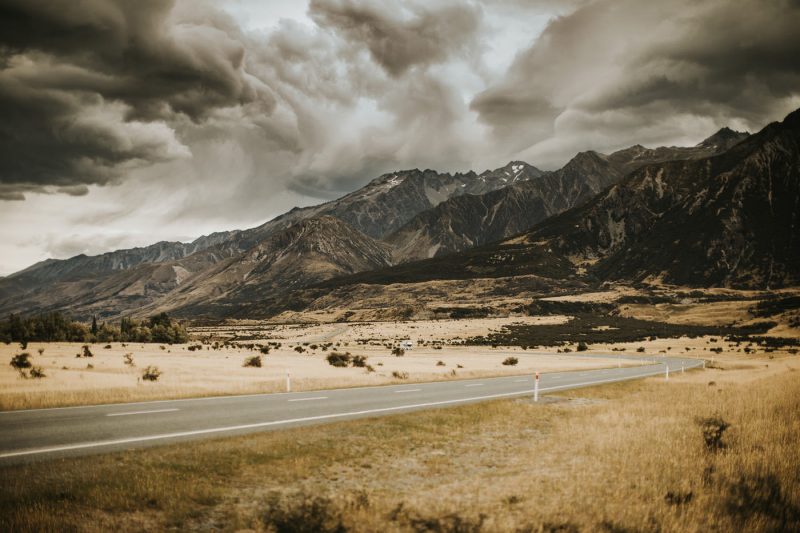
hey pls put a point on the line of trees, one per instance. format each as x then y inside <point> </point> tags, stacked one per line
<point>57,327</point>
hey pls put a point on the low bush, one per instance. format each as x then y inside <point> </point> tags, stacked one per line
<point>440,363</point>
<point>359,361</point>
<point>264,350</point>
<point>398,352</point>
<point>21,361</point>
<point>303,514</point>
<point>254,361</point>
<point>399,375</point>
<point>151,373</point>
<point>36,372</point>
<point>582,347</point>
<point>713,428</point>
<point>510,361</point>
<point>128,359</point>
<point>337,359</point>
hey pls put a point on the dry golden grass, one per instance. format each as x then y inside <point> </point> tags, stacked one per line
<point>625,457</point>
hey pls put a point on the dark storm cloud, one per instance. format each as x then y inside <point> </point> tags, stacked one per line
<point>89,89</point>
<point>398,38</point>
<point>611,60</point>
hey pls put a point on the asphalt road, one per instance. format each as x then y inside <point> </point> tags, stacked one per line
<point>41,434</point>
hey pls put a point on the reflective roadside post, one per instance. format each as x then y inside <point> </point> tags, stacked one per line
<point>666,366</point>
<point>288,381</point>
<point>536,388</point>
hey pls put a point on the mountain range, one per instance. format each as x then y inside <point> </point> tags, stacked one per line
<point>721,213</point>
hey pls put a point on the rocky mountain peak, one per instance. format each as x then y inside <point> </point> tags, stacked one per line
<point>724,138</point>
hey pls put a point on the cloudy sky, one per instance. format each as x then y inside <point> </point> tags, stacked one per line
<point>126,122</point>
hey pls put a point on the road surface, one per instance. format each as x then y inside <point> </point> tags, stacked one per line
<point>40,434</point>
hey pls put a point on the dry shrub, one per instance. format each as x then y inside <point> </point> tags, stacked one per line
<point>302,514</point>
<point>21,360</point>
<point>762,496</point>
<point>713,428</point>
<point>338,359</point>
<point>399,375</point>
<point>510,361</point>
<point>254,361</point>
<point>151,373</point>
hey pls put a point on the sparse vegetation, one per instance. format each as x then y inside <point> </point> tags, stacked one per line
<point>128,359</point>
<point>399,375</point>
<point>398,352</point>
<point>510,361</point>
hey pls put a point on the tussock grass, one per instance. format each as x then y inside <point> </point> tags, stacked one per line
<point>629,456</point>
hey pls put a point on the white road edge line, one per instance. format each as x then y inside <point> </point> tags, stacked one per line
<point>474,385</point>
<point>163,436</point>
<point>408,390</point>
<point>143,412</point>
<point>308,399</point>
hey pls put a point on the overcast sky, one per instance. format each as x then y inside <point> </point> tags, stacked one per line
<point>127,122</point>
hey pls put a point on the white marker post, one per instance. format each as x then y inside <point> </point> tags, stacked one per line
<point>666,365</point>
<point>288,381</point>
<point>536,388</point>
<point>682,371</point>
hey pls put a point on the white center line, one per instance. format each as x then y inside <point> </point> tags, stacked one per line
<point>143,412</point>
<point>409,390</point>
<point>474,385</point>
<point>308,399</point>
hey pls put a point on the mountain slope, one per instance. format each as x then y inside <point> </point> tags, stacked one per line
<point>467,221</point>
<point>471,220</point>
<point>728,220</point>
<point>308,252</point>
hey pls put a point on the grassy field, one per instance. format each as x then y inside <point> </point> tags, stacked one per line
<point>639,456</point>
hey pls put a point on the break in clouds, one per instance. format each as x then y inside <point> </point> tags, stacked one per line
<point>158,95</point>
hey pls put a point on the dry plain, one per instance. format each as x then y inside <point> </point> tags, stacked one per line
<point>217,368</point>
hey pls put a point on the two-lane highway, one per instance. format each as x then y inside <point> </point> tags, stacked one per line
<point>47,433</point>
